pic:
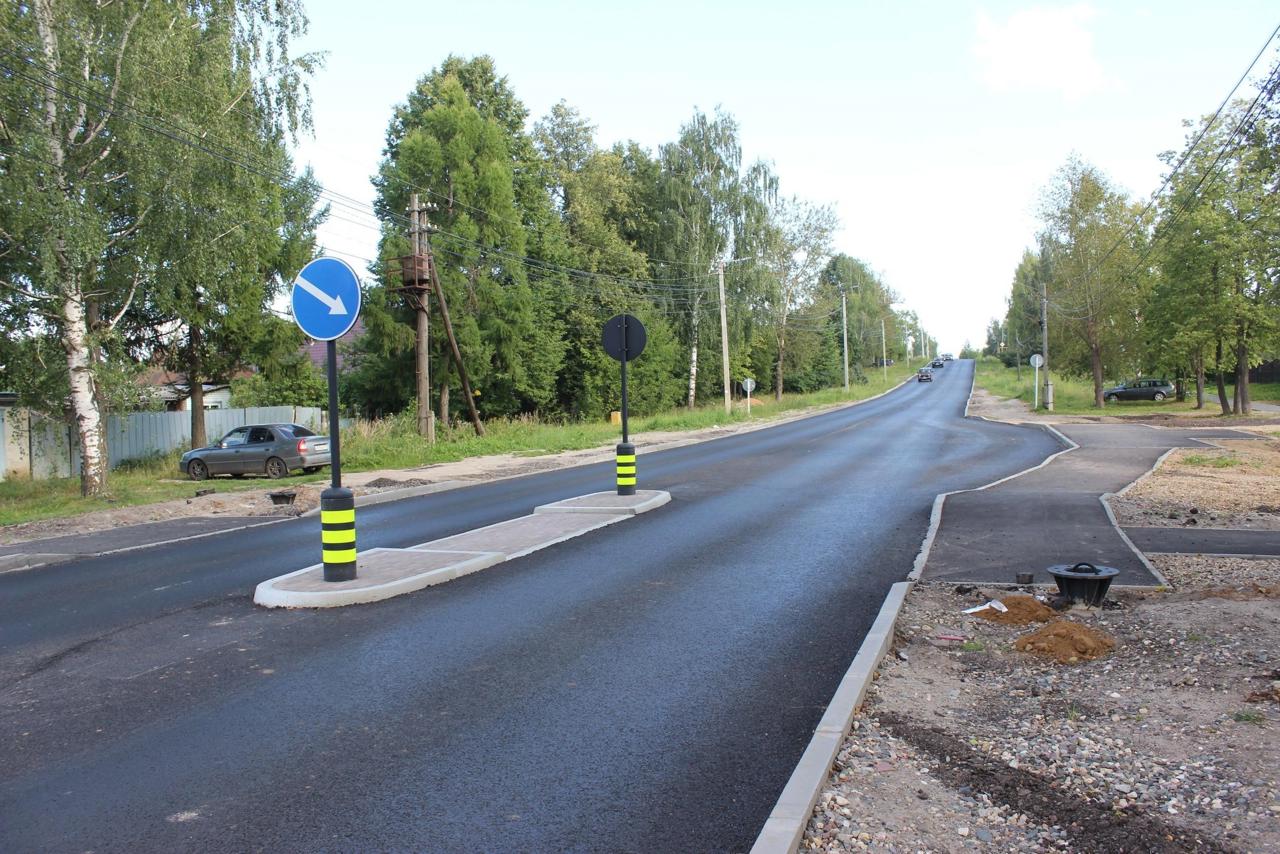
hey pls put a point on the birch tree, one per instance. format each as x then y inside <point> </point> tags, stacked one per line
<point>91,120</point>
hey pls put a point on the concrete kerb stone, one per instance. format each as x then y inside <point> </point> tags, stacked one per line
<point>21,561</point>
<point>784,828</point>
<point>608,502</point>
<point>271,595</point>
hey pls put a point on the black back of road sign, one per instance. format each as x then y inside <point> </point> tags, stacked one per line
<point>624,327</point>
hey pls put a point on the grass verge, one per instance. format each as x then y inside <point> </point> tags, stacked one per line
<point>393,443</point>
<point>1074,396</point>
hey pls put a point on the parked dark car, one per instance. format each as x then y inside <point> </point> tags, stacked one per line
<point>1140,390</point>
<point>924,375</point>
<point>270,449</point>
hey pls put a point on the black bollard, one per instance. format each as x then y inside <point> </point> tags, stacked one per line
<point>338,533</point>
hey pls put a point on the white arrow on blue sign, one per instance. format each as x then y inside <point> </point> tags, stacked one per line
<point>326,299</point>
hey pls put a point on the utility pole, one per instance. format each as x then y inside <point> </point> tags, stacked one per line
<point>724,342</point>
<point>884,352</point>
<point>422,308</point>
<point>844,326</point>
<point>443,305</point>
<point>1044,329</point>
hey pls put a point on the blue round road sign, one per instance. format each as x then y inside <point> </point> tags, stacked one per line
<point>326,299</point>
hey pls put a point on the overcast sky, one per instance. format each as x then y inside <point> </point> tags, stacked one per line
<point>931,127</point>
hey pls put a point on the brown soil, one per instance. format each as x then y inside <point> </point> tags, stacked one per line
<point>1023,610</point>
<point>1240,594</point>
<point>1067,642</point>
<point>1094,827</point>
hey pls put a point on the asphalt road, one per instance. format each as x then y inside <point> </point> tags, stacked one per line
<point>646,687</point>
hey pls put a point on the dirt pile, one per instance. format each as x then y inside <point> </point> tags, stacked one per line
<point>1067,642</point>
<point>1022,610</point>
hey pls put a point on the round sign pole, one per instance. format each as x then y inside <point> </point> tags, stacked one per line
<point>1036,361</point>
<point>326,302</point>
<point>624,338</point>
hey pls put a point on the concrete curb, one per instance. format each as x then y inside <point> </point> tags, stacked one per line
<point>935,516</point>
<point>270,595</point>
<point>784,828</point>
<point>654,501</point>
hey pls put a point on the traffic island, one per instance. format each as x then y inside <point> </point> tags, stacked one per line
<point>383,573</point>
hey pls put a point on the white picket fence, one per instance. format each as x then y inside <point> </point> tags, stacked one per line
<point>36,446</point>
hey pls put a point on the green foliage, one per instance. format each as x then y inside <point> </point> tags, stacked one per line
<point>143,143</point>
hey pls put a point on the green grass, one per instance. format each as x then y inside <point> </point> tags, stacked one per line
<point>972,646</point>
<point>1248,716</point>
<point>140,482</point>
<point>393,443</point>
<point>1226,461</point>
<point>1264,392</point>
<point>1074,395</point>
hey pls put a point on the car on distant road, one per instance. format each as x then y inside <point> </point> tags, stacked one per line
<point>938,363</point>
<point>924,375</point>
<point>947,357</point>
<point>1139,390</point>
<point>270,449</point>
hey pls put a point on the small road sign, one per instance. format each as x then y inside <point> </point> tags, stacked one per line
<point>624,337</point>
<point>326,299</point>
<point>748,385</point>
<point>1037,361</point>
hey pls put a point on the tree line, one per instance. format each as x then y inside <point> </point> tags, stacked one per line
<point>1186,286</point>
<point>151,214</point>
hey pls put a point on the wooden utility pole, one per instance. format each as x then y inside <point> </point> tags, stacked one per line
<point>844,326</point>
<point>422,308</point>
<point>884,352</point>
<point>443,305</point>
<point>724,343</point>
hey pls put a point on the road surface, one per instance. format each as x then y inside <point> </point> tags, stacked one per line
<point>646,687</point>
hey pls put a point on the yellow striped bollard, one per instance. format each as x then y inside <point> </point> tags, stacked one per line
<point>338,533</point>
<point>626,469</point>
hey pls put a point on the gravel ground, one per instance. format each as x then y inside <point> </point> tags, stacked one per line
<point>970,744</point>
<point>1235,485</point>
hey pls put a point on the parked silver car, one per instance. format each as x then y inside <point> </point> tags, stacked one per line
<point>270,449</point>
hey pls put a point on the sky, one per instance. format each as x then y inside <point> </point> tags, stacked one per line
<point>933,128</point>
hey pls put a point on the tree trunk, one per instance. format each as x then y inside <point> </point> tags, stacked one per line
<point>75,327</point>
<point>1095,362</point>
<point>195,390</point>
<point>1242,406</point>
<point>777,377</point>
<point>1199,368</point>
<point>84,394</point>
<point>444,394</point>
<point>1222,382</point>
<point>693,351</point>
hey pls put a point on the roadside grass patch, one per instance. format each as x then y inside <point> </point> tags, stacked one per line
<point>1217,461</point>
<point>134,482</point>
<point>1074,395</point>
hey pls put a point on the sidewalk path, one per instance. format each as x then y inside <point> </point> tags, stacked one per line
<point>1054,515</point>
<point>1220,541</point>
